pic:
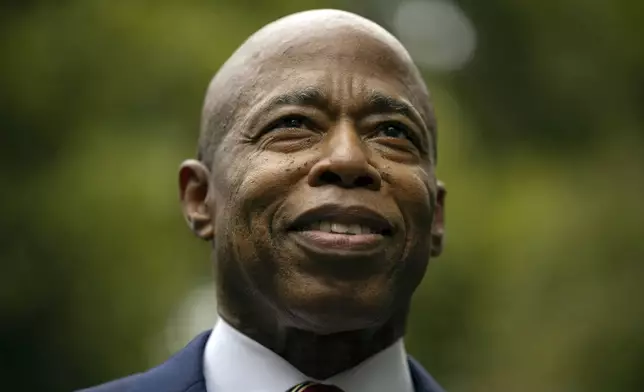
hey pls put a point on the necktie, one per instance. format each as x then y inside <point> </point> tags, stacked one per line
<point>309,386</point>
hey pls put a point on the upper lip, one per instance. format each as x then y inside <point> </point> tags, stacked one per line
<point>344,214</point>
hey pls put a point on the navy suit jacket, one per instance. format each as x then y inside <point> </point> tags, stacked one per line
<point>183,372</point>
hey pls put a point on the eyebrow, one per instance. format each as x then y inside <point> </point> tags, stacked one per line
<point>376,102</point>
<point>308,96</point>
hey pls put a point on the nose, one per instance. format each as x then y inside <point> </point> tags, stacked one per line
<point>345,163</point>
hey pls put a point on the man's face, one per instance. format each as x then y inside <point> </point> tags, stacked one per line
<point>324,190</point>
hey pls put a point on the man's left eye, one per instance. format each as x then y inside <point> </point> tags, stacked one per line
<point>393,130</point>
<point>289,122</point>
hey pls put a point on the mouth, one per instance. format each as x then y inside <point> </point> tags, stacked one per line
<point>334,228</point>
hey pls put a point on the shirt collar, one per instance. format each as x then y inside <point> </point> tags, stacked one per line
<point>234,362</point>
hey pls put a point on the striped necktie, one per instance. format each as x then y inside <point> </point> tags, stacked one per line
<point>310,386</point>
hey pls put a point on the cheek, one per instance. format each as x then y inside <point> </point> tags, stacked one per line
<point>414,191</point>
<point>269,177</point>
<point>253,190</point>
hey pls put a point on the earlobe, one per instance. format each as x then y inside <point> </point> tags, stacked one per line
<point>438,225</point>
<point>196,202</point>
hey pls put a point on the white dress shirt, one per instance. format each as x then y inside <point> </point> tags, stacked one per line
<point>234,362</point>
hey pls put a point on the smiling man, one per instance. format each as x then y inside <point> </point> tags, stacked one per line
<point>315,185</point>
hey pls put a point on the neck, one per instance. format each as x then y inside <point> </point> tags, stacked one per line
<point>316,355</point>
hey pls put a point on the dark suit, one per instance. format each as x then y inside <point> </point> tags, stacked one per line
<point>184,373</point>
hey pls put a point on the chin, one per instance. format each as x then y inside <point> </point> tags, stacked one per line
<point>334,315</point>
<point>338,324</point>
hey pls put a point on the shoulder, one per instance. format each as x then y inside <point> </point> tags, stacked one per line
<point>183,372</point>
<point>120,385</point>
<point>145,382</point>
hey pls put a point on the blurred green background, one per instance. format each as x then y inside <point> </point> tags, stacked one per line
<point>540,107</point>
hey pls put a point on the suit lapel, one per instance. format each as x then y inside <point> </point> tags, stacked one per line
<point>183,372</point>
<point>423,382</point>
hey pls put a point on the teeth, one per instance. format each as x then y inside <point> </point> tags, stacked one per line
<point>325,226</point>
<point>341,228</point>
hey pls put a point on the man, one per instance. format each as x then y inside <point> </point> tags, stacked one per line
<point>315,185</point>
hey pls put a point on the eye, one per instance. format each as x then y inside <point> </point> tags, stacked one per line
<point>394,130</point>
<point>289,122</point>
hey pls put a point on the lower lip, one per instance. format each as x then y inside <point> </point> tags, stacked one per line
<point>326,241</point>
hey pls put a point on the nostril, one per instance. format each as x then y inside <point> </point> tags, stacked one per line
<point>346,180</point>
<point>363,182</point>
<point>329,177</point>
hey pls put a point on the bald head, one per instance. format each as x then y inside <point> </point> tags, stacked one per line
<point>280,50</point>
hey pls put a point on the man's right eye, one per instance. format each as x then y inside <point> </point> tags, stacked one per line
<point>290,122</point>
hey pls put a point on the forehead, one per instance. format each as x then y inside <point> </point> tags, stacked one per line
<point>345,62</point>
<point>348,47</point>
<point>341,82</point>
<point>351,51</point>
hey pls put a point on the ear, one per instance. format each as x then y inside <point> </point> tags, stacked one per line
<point>438,226</point>
<point>196,203</point>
